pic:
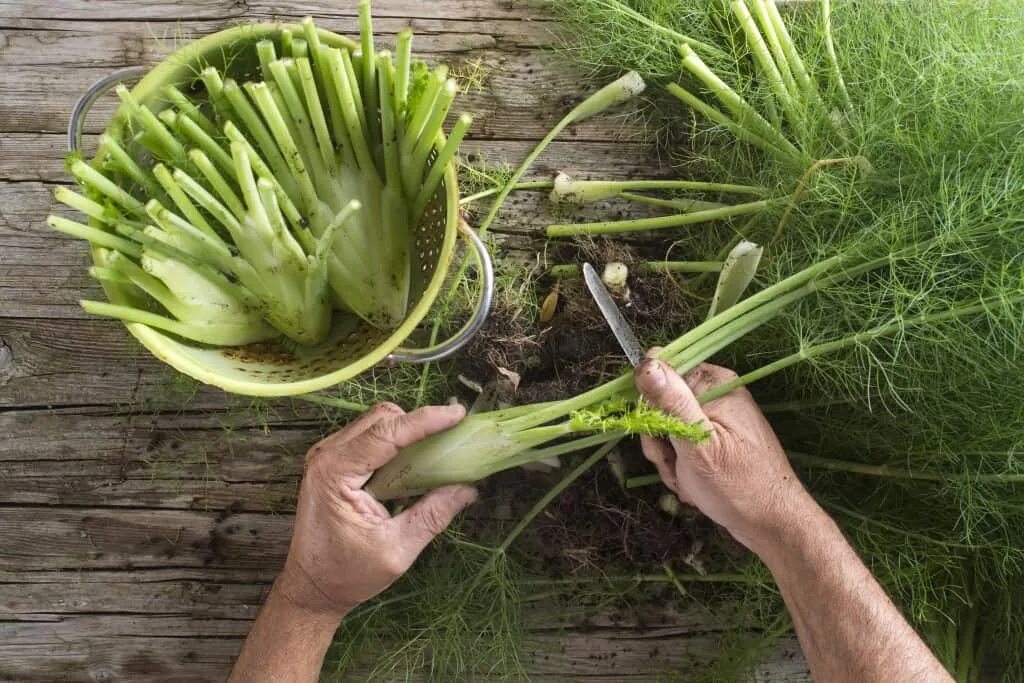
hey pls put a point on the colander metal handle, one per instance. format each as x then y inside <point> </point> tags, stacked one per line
<point>480,253</point>
<point>85,102</point>
<point>476,321</point>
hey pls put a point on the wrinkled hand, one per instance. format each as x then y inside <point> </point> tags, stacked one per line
<point>346,548</point>
<point>740,476</point>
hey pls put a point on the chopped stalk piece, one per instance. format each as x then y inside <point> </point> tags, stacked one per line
<point>299,189</point>
<point>737,274</point>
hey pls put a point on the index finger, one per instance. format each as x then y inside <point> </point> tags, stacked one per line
<point>738,404</point>
<point>706,376</point>
<point>336,441</point>
<point>381,442</point>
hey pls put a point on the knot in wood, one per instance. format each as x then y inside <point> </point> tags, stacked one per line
<point>6,362</point>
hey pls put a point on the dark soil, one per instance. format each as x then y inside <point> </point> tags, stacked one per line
<point>597,526</point>
<point>575,350</point>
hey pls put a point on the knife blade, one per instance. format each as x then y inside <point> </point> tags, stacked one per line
<point>613,316</point>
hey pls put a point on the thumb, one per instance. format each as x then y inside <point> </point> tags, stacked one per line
<point>431,515</point>
<point>663,388</point>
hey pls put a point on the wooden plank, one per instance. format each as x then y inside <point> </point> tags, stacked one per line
<point>88,619</point>
<point>519,92</point>
<point>200,594</point>
<point>35,156</point>
<point>104,538</point>
<point>42,272</point>
<point>137,649</point>
<point>228,462</point>
<point>123,656</point>
<point>68,624</point>
<point>89,362</point>
<point>659,654</point>
<point>63,435</point>
<point>179,462</point>
<point>115,10</point>
<point>173,489</point>
<point>74,44</point>
<point>219,593</point>
<point>191,10</point>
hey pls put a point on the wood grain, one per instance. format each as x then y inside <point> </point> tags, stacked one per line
<point>175,648</point>
<point>195,461</point>
<point>521,91</point>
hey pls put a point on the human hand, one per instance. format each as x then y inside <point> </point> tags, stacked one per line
<point>740,476</point>
<point>346,548</point>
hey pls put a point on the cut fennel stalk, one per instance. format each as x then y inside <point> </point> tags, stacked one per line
<point>486,443</point>
<point>297,194</point>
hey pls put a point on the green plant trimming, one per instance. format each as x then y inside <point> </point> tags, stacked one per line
<point>631,418</point>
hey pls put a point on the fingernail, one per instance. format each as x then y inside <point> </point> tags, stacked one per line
<point>457,409</point>
<point>467,495</point>
<point>651,376</point>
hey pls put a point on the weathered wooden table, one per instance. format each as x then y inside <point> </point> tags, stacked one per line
<point>142,518</point>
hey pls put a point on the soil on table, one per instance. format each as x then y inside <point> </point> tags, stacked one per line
<point>575,350</point>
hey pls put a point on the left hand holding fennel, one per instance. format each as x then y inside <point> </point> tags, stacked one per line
<point>346,547</point>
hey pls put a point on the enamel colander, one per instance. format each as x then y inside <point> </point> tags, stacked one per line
<point>281,368</point>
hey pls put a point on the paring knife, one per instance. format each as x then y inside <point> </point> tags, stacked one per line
<point>613,316</point>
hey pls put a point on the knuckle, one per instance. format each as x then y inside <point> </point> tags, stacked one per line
<point>434,521</point>
<point>382,433</point>
<point>387,407</point>
<point>718,374</point>
<point>706,376</point>
<point>697,374</point>
<point>317,468</point>
<point>744,399</point>
<point>676,404</point>
<point>707,465</point>
<point>393,565</point>
<point>313,452</point>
